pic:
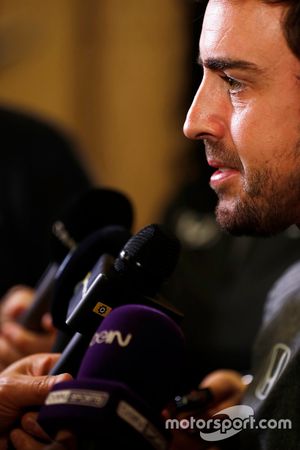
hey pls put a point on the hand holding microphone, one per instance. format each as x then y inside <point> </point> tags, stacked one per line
<point>15,340</point>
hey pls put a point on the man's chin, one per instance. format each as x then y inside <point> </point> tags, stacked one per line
<point>239,222</point>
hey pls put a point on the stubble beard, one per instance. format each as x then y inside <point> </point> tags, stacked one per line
<point>267,203</point>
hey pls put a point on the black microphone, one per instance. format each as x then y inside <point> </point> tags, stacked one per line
<point>131,370</point>
<point>142,266</point>
<point>73,275</point>
<point>91,211</point>
<point>135,276</point>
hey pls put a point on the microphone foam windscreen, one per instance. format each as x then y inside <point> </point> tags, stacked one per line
<point>131,370</point>
<point>141,347</point>
<point>153,252</point>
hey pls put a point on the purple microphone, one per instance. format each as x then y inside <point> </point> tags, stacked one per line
<point>131,370</point>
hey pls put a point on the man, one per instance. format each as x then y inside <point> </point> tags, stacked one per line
<point>247,112</point>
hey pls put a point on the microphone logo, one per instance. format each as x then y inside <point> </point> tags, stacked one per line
<point>102,309</point>
<point>108,337</point>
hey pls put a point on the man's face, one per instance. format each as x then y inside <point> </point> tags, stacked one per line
<point>247,111</point>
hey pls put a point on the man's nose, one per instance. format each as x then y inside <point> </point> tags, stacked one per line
<point>206,116</point>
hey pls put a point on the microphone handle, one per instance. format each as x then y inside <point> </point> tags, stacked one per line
<point>31,318</point>
<point>72,355</point>
<point>62,340</point>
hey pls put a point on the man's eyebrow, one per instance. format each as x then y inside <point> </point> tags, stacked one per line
<point>216,64</point>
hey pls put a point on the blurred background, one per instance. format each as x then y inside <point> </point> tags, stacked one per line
<point>113,74</point>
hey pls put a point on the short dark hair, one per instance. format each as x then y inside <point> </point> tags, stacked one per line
<point>291,23</point>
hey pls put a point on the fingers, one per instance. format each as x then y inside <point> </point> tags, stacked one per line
<point>25,342</point>
<point>223,382</point>
<point>20,345</point>
<point>41,364</point>
<point>24,384</point>
<point>35,389</point>
<point>31,426</point>
<point>15,301</point>
<point>21,391</point>
<point>15,341</point>
<point>24,441</point>
<point>65,440</point>
<point>8,354</point>
<point>35,365</point>
<point>227,388</point>
<point>47,323</point>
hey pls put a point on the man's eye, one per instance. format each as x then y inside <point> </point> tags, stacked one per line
<point>234,85</point>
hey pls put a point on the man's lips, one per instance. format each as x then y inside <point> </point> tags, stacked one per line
<point>223,172</point>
